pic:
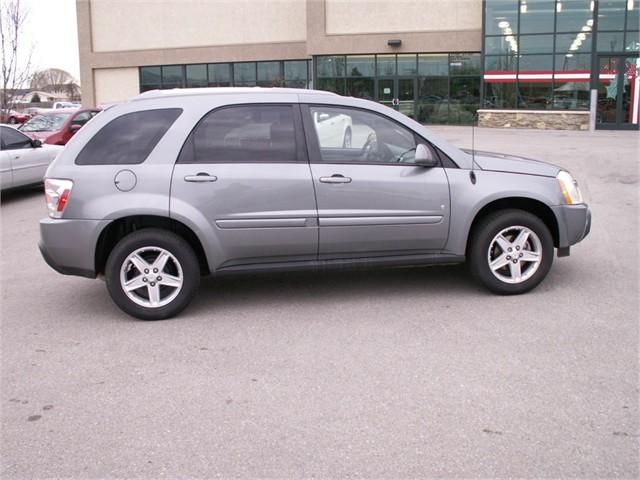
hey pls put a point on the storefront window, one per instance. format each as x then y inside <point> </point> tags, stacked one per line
<point>172,76</point>
<point>537,16</point>
<point>296,73</point>
<point>407,65</point>
<point>433,65</point>
<point>386,65</point>
<point>360,66</point>
<point>536,44</point>
<point>269,74</point>
<point>500,15</point>
<point>611,14</point>
<point>332,66</point>
<point>219,74</point>
<point>573,15</point>
<point>244,74</point>
<point>196,76</point>
<point>150,78</point>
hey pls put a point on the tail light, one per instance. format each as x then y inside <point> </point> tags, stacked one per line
<point>56,192</point>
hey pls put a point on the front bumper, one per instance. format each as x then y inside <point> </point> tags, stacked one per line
<point>68,246</point>
<point>574,223</point>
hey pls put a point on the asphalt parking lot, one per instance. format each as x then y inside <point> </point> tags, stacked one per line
<point>388,373</point>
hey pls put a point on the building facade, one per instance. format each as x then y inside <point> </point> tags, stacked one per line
<point>517,62</point>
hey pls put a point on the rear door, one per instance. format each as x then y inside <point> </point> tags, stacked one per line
<point>244,171</point>
<point>372,199</point>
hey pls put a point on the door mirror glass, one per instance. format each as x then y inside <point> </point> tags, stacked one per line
<point>425,157</point>
<point>36,143</point>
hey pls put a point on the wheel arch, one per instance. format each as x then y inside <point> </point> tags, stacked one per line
<point>119,228</point>
<point>535,207</point>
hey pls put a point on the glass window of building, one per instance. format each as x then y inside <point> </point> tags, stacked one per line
<point>196,76</point>
<point>150,78</point>
<point>501,15</point>
<point>573,15</point>
<point>172,76</point>
<point>360,66</point>
<point>433,65</point>
<point>407,65</point>
<point>244,74</point>
<point>386,65</point>
<point>611,14</point>
<point>537,16</point>
<point>269,74</point>
<point>296,73</point>
<point>219,74</point>
<point>330,66</point>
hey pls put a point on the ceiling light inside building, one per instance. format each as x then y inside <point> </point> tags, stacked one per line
<point>629,4</point>
<point>503,24</point>
<point>559,7</point>
<point>592,6</point>
<point>523,8</point>
<point>582,36</point>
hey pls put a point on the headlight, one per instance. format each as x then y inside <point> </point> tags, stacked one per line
<point>569,187</point>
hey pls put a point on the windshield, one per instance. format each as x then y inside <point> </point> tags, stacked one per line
<point>45,123</point>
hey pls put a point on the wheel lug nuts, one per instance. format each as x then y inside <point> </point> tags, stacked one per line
<point>520,254</point>
<point>515,261</point>
<point>144,279</point>
<point>146,270</point>
<point>510,249</point>
<point>159,278</point>
<point>155,270</point>
<point>508,257</point>
<point>517,248</point>
<point>153,284</point>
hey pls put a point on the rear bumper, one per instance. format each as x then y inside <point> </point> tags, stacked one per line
<point>574,223</point>
<point>68,246</point>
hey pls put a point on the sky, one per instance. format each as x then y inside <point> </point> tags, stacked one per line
<point>51,28</point>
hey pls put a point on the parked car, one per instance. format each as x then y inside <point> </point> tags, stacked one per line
<point>13,117</point>
<point>172,185</point>
<point>57,105</point>
<point>23,161</point>
<point>334,129</point>
<point>56,127</point>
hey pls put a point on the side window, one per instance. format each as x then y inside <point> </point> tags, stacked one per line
<point>128,139</point>
<point>351,135</point>
<point>81,118</point>
<point>14,140</point>
<point>243,133</point>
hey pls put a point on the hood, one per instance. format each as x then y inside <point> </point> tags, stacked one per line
<point>499,162</point>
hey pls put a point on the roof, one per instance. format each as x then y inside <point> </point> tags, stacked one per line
<point>185,92</point>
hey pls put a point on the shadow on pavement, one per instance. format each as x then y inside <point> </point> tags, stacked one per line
<point>26,193</point>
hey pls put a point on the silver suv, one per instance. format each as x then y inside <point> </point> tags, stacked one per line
<point>176,184</point>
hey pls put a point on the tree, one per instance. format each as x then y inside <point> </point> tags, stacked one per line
<point>35,98</point>
<point>15,66</point>
<point>55,80</point>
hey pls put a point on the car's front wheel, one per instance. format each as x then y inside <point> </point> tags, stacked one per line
<point>511,251</point>
<point>152,274</point>
<point>13,120</point>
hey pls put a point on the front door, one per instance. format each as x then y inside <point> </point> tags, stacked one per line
<point>618,92</point>
<point>243,173</point>
<point>398,93</point>
<point>372,199</point>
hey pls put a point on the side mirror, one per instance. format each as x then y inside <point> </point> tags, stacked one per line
<point>424,157</point>
<point>36,143</point>
<point>74,128</point>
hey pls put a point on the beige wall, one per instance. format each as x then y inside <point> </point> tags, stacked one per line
<point>121,25</point>
<point>383,16</point>
<point>115,84</point>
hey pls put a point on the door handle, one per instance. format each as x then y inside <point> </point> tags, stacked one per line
<point>201,177</point>
<point>335,178</point>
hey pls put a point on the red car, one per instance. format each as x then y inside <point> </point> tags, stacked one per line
<point>57,126</point>
<point>13,117</point>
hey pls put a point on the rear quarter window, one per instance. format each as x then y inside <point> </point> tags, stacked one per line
<point>128,139</point>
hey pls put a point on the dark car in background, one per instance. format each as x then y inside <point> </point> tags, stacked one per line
<point>56,127</point>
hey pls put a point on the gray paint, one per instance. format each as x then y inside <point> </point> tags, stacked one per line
<point>257,215</point>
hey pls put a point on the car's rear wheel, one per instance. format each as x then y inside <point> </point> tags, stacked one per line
<point>152,274</point>
<point>13,120</point>
<point>511,251</point>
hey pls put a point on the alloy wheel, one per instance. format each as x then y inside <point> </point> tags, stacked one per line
<point>514,254</point>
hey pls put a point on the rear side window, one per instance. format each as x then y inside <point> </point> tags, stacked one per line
<point>128,139</point>
<point>243,134</point>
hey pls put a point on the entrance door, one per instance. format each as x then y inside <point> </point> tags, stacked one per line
<point>618,92</point>
<point>398,93</point>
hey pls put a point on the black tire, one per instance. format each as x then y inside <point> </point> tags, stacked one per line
<point>482,237</point>
<point>172,243</point>
<point>13,121</point>
<point>346,141</point>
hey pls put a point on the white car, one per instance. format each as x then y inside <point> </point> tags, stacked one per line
<point>23,161</point>
<point>334,130</point>
<point>57,105</point>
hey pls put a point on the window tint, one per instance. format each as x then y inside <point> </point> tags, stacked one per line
<point>349,135</point>
<point>129,138</point>
<point>12,139</point>
<point>82,118</point>
<point>247,133</point>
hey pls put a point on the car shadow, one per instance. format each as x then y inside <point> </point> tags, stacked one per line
<point>18,195</point>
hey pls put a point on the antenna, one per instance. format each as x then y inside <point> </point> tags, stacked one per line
<point>472,173</point>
